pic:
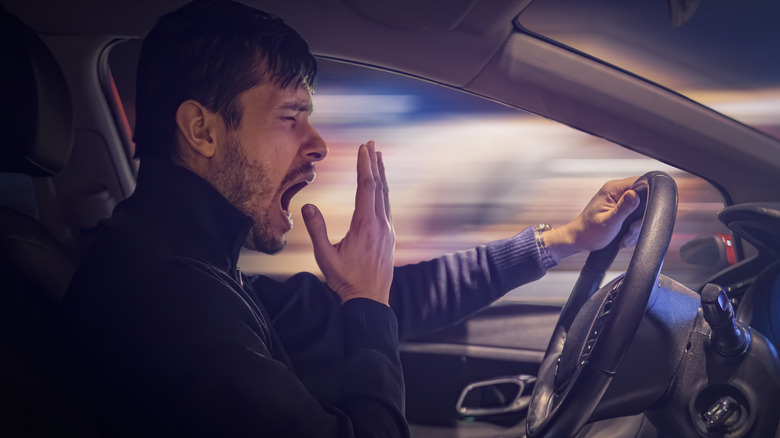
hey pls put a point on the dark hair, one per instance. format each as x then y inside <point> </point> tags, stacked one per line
<point>211,51</point>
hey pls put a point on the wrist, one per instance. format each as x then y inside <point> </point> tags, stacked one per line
<point>560,242</point>
<point>380,300</point>
<point>378,294</point>
<point>545,257</point>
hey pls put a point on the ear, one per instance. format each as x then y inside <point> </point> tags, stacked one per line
<point>197,127</point>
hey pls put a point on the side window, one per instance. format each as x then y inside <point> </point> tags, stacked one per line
<point>465,171</point>
<point>462,171</point>
<point>122,64</point>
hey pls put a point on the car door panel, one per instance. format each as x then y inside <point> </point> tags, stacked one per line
<point>506,339</point>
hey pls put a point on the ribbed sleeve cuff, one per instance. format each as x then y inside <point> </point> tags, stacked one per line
<point>369,325</point>
<point>517,260</point>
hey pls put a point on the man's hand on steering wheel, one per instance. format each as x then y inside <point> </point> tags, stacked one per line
<point>599,222</point>
<point>596,326</point>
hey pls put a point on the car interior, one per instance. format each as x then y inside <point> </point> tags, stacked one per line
<point>677,337</point>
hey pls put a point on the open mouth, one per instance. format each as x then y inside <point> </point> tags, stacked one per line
<point>290,192</point>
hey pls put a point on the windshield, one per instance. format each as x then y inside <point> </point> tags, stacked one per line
<point>724,55</point>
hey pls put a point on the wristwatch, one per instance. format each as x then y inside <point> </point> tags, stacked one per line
<point>545,257</point>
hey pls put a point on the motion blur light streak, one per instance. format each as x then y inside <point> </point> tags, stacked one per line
<point>609,166</point>
<point>458,181</point>
<point>352,109</point>
<point>758,107</point>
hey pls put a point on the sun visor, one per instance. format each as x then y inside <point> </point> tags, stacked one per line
<point>438,14</point>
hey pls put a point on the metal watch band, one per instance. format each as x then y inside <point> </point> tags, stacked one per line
<point>545,257</point>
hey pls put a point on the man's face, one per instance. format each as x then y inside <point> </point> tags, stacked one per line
<point>268,159</point>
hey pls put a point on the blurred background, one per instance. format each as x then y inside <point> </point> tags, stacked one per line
<point>464,171</point>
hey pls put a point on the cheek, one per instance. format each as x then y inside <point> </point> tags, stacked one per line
<point>275,163</point>
<point>284,151</point>
<point>274,149</point>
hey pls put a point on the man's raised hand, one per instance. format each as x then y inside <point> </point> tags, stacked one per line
<point>361,264</point>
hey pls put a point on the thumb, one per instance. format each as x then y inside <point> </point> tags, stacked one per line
<point>626,205</point>
<point>315,225</point>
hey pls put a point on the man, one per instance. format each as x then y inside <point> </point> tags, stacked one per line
<point>192,346</point>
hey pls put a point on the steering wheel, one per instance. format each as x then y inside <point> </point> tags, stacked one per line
<point>587,346</point>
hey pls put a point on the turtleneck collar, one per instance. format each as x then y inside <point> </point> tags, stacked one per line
<point>196,219</point>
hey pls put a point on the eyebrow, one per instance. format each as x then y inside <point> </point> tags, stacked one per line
<point>297,105</point>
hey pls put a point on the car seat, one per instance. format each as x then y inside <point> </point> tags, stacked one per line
<point>44,391</point>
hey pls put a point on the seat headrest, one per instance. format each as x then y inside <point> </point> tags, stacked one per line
<point>35,105</point>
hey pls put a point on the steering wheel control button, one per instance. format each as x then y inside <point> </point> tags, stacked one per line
<point>607,306</point>
<point>728,337</point>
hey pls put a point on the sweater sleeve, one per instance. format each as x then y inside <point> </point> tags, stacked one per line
<point>425,297</point>
<point>437,293</point>
<point>318,332</point>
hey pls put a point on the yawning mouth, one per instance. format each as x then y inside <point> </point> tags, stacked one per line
<point>290,192</point>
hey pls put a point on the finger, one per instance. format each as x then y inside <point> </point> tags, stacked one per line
<point>379,199</point>
<point>365,195</point>
<point>318,232</point>
<point>620,186</point>
<point>385,187</point>
<point>632,236</point>
<point>626,205</point>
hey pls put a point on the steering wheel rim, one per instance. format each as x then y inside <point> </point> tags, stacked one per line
<point>574,375</point>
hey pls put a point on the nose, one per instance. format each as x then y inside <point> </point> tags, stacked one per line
<point>314,147</point>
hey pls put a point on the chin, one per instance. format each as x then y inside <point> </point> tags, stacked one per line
<point>259,241</point>
<point>275,249</point>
